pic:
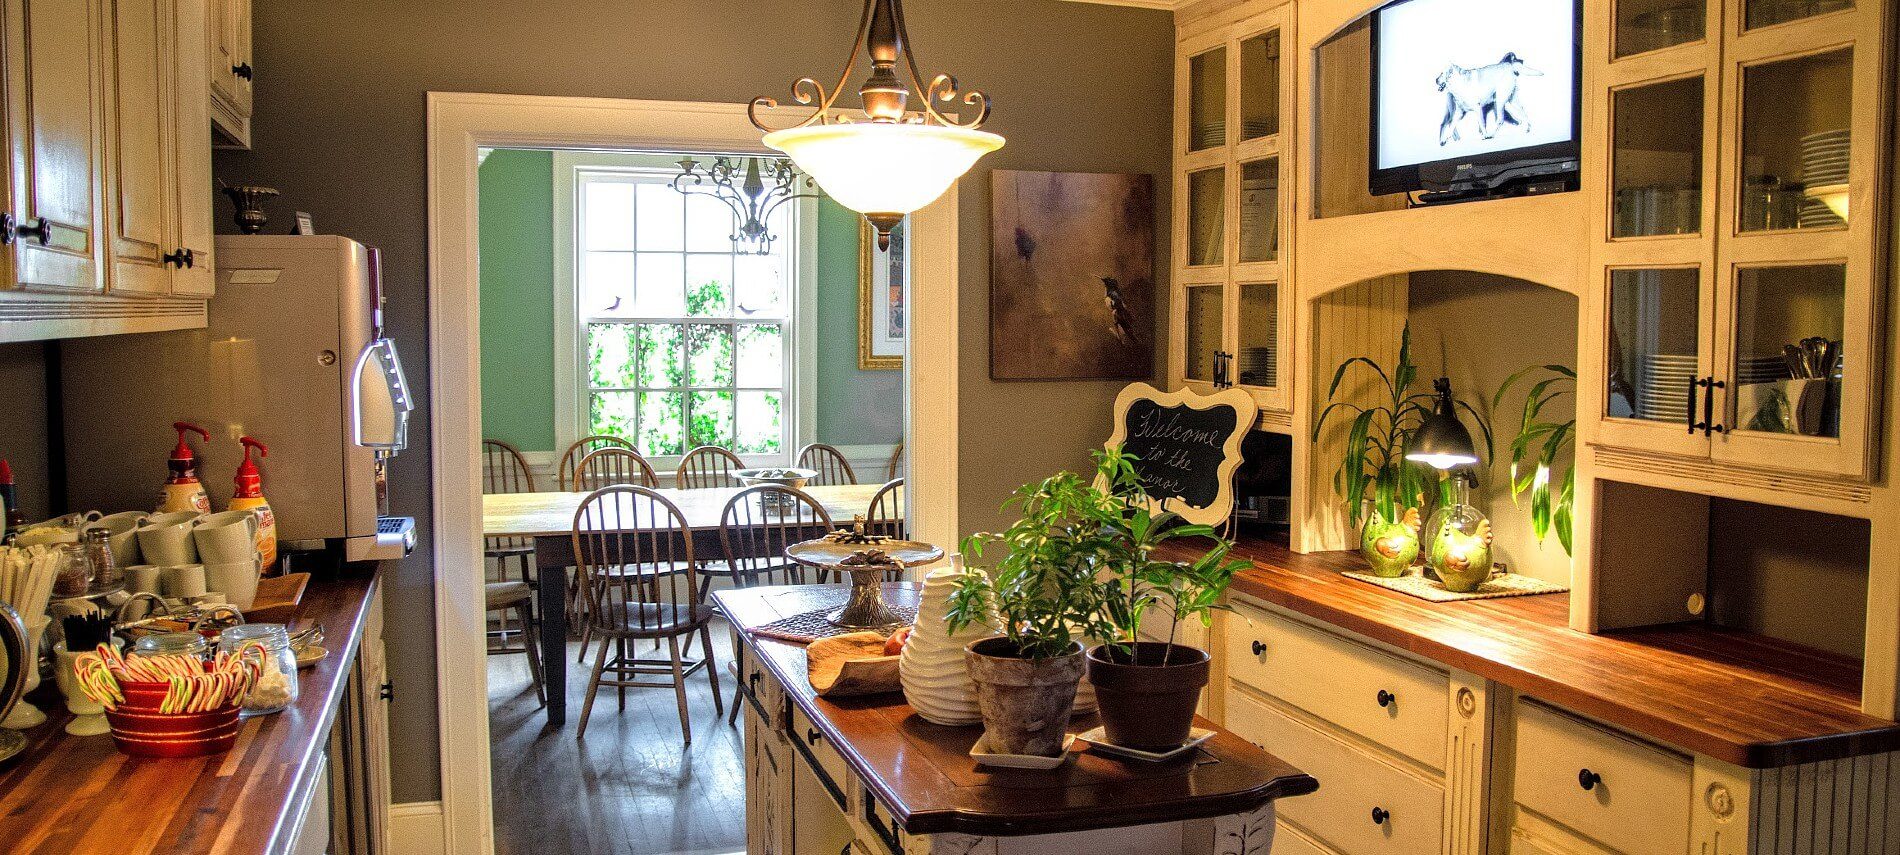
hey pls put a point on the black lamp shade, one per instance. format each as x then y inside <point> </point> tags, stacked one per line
<point>1441,441</point>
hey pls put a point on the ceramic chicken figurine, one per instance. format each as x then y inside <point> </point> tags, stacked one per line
<point>1390,547</point>
<point>1463,561</point>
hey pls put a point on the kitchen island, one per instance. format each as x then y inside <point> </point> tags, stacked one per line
<point>868,776</point>
<point>269,794</point>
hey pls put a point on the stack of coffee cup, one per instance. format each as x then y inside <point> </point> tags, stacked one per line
<point>227,545</point>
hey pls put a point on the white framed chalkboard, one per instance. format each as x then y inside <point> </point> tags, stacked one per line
<point>1188,445</point>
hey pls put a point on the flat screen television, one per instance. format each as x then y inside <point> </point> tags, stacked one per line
<point>1467,91</point>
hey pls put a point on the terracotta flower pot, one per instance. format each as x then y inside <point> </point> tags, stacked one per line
<point>1025,702</point>
<point>1145,704</point>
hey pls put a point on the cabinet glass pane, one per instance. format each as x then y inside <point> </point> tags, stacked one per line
<point>1260,86</point>
<point>1787,372</point>
<point>1207,100</point>
<point>1203,330</point>
<point>1207,216</point>
<point>1762,13</point>
<point>1654,344</point>
<point>1646,25</point>
<point>1260,210</point>
<point>1259,357</point>
<point>1795,143</point>
<point>1658,160</point>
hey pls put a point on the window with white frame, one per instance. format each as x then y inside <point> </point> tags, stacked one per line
<point>682,341</point>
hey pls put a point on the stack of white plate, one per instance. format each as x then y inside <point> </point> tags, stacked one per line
<point>1259,366</point>
<point>1760,369</point>
<point>1259,218</point>
<point>1824,160</point>
<point>1664,385</point>
<point>1213,132</point>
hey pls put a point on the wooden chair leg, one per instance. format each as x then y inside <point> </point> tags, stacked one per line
<point>533,645</point>
<point>679,687</point>
<point>593,686</point>
<point>620,659</point>
<point>712,670</point>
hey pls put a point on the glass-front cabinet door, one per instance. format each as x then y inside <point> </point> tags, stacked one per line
<point>1234,94</point>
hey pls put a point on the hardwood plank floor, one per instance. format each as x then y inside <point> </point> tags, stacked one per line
<point>628,788</point>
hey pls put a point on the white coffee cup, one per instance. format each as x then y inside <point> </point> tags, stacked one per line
<point>236,580</point>
<point>183,581</point>
<point>226,537</point>
<point>122,535</point>
<point>166,540</point>
<point>143,578</point>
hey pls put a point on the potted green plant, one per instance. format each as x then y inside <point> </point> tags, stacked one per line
<point>1081,565</point>
<point>1378,484</point>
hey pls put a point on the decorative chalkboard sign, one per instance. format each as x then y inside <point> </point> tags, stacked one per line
<point>1187,445</point>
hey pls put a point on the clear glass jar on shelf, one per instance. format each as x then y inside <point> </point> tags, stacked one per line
<point>276,686</point>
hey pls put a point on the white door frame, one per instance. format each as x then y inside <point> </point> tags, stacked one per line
<point>459,124</point>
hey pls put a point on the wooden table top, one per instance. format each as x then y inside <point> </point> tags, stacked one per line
<point>552,514</point>
<point>922,772</point>
<point>1741,698</point>
<point>79,795</point>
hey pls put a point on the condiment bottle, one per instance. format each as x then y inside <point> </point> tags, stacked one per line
<point>249,496</point>
<point>10,501</point>
<point>182,491</point>
<point>105,573</point>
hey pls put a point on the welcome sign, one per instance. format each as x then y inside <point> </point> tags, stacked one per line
<point>1187,446</point>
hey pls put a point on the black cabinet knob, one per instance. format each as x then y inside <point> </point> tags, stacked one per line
<point>1588,780</point>
<point>812,736</point>
<point>1380,815</point>
<point>180,258</point>
<point>36,228</point>
<point>1386,699</point>
<point>1259,647</point>
<point>242,69</point>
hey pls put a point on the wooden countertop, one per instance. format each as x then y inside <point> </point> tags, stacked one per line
<point>1745,699</point>
<point>76,795</point>
<point>922,773</point>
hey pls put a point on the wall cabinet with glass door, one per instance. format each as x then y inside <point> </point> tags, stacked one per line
<point>1739,233</point>
<point>1232,143</point>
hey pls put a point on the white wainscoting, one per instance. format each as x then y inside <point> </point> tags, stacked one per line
<point>415,828</point>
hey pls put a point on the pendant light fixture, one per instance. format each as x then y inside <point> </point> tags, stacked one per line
<point>753,191</point>
<point>1441,441</point>
<point>887,161</point>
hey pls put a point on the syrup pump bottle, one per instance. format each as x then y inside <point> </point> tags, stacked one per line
<point>182,491</point>
<point>249,496</point>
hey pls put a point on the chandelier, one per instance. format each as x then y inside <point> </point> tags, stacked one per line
<point>753,192</point>
<point>889,159</point>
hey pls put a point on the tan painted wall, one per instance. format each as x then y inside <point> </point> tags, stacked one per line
<point>339,129</point>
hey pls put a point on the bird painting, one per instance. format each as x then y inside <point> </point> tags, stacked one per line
<point>1121,320</point>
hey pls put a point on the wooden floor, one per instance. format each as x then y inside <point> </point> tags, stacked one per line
<point>628,788</point>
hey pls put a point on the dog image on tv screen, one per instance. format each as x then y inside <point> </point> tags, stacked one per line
<point>1489,91</point>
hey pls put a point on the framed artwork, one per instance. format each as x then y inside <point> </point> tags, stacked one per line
<point>1071,276</point>
<point>882,276</point>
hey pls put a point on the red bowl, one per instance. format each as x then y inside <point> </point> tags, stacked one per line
<point>143,733</point>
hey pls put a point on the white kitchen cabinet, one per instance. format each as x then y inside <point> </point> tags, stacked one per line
<point>138,255</point>
<point>53,127</point>
<point>228,58</point>
<point>190,188</point>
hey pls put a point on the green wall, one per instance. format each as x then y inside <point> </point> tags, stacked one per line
<point>517,238</point>
<point>517,252</point>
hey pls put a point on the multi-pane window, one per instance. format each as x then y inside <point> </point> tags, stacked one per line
<point>684,339</point>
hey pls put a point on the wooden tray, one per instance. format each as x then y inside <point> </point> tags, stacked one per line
<point>277,598</point>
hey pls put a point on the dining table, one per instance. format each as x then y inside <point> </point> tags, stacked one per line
<point>547,520</point>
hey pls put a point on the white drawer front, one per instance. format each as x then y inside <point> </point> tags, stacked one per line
<point>1395,703</point>
<point>1352,784</point>
<point>1640,802</point>
<point>1288,840</point>
<point>819,747</point>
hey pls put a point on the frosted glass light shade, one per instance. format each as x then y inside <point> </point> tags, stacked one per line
<point>884,167</point>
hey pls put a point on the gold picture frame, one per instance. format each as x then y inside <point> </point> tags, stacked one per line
<point>882,309</point>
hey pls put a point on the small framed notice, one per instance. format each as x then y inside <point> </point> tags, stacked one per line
<point>1186,445</point>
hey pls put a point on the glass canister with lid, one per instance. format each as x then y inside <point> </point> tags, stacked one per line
<point>171,644</point>
<point>277,683</point>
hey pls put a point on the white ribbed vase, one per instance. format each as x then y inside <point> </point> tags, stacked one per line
<point>936,681</point>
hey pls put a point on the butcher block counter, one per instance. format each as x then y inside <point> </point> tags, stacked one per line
<point>866,775</point>
<point>78,795</point>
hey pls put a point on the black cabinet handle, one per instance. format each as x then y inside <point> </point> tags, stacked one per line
<point>1386,699</point>
<point>180,258</point>
<point>1588,780</point>
<point>1380,815</point>
<point>1259,647</point>
<point>1709,425</point>
<point>242,69</point>
<point>812,736</point>
<point>1689,418</point>
<point>37,228</point>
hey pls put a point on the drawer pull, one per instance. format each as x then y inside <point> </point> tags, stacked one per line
<point>1380,815</point>
<point>1387,699</point>
<point>812,736</point>
<point>1588,780</point>
<point>1259,647</point>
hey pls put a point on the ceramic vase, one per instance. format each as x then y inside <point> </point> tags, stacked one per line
<point>936,680</point>
<point>26,715</point>
<point>1389,546</point>
<point>88,716</point>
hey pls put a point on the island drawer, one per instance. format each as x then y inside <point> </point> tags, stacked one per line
<point>1390,701</point>
<point>1366,805</point>
<point>809,741</point>
<point>757,687</point>
<point>1625,794</point>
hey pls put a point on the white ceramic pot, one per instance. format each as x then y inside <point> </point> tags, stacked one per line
<point>932,668</point>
